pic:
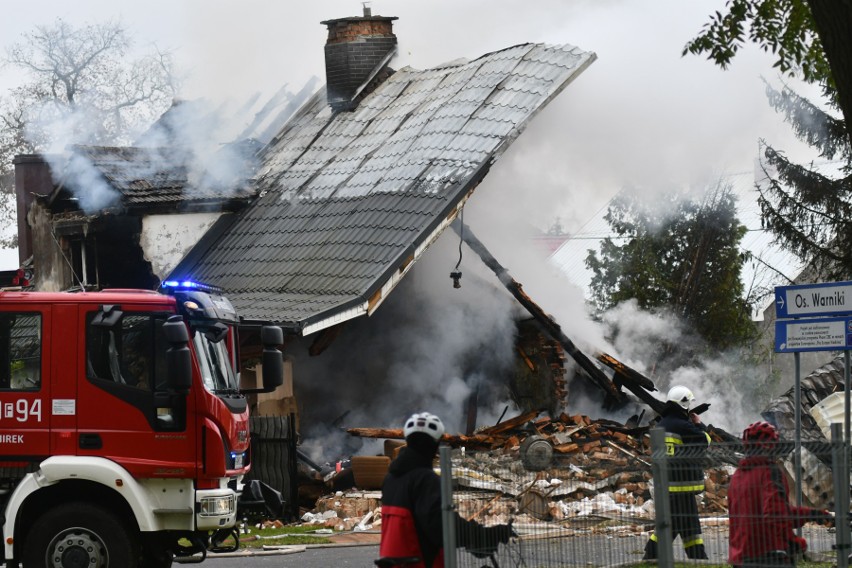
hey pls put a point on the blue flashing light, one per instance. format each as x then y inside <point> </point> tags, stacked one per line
<point>181,284</point>
<point>174,285</point>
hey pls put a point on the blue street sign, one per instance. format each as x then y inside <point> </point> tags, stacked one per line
<point>820,334</point>
<point>826,299</point>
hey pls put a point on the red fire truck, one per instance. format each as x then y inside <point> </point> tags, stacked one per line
<point>123,431</point>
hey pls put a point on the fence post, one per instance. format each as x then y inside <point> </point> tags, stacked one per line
<point>448,519</point>
<point>840,474</point>
<point>662,511</point>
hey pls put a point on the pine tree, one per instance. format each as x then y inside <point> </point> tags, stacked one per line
<point>809,212</point>
<point>806,210</point>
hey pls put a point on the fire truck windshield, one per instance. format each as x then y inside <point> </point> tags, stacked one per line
<point>216,368</point>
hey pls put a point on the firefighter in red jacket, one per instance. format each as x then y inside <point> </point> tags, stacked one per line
<point>686,446</point>
<point>761,517</point>
<point>411,503</point>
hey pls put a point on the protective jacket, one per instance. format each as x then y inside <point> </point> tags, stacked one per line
<point>761,517</point>
<point>686,447</point>
<point>411,510</point>
<point>411,514</point>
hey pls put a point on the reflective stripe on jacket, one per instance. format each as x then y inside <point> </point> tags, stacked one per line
<point>686,447</point>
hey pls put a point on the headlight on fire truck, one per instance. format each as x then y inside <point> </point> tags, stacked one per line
<point>217,506</point>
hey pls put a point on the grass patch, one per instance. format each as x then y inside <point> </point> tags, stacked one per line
<point>296,534</point>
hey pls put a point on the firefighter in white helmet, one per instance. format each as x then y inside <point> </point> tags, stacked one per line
<point>412,532</point>
<point>686,446</point>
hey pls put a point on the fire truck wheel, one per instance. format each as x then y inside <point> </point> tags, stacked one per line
<point>80,534</point>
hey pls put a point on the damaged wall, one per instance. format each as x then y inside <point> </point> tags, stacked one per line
<point>165,239</point>
<point>73,251</point>
<point>53,273</point>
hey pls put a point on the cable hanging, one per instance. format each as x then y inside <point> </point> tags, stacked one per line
<point>456,273</point>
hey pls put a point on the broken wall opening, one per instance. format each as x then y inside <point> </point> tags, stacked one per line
<point>72,250</point>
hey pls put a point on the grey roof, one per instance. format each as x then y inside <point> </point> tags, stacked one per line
<point>147,177</point>
<point>350,200</point>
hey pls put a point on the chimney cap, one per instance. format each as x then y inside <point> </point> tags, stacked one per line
<point>360,19</point>
<point>29,159</point>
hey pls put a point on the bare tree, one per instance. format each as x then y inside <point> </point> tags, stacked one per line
<point>81,87</point>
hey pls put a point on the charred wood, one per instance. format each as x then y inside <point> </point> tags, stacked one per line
<point>567,434</point>
<point>511,423</point>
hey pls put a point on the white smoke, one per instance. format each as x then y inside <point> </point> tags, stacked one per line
<point>196,135</point>
<point>211,145</point>
<point>424,349</point>
<point>519,193</point>
<point>724,384</point>
<point>54,131</point>
<point>728,381</point>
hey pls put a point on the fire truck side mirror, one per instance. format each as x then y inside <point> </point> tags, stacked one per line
<point>178,356</point>
<point>273,360</point>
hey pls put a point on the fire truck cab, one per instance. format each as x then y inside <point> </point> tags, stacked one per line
<point>123,432</point>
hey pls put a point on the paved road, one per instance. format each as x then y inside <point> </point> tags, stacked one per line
<point>330,557</point>
<point>587,550</point>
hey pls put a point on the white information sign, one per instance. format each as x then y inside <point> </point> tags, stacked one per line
<point>824,334</point>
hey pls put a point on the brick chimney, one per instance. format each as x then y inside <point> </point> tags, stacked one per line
<point>356,50</point>
<point>32,178</point>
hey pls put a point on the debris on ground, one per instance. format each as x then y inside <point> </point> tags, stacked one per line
<point>568,473</point>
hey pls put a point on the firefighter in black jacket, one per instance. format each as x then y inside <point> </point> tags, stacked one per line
<point>686,446</point>
<point>411,504</point>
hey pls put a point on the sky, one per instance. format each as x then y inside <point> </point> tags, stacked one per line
<point>641,114</point>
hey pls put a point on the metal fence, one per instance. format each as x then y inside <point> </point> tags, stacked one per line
<point>601,508</point>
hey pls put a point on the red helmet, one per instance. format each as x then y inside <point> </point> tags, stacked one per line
<point>760,434</point>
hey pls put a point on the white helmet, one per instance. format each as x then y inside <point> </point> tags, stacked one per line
<point>681,395</point>
<point>425,423</point>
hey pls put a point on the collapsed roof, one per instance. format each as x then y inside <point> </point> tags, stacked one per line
<point>350,200</point>
<point>814,388</point>
<point>145,178</point>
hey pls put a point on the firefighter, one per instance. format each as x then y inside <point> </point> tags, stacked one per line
<point>686,446</point>
<point>411,504</point>
<point>762,519</point>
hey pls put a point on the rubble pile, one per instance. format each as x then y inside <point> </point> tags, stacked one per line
<point>599,471</point>
<point>347,510</point>
<point>604,484</point>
